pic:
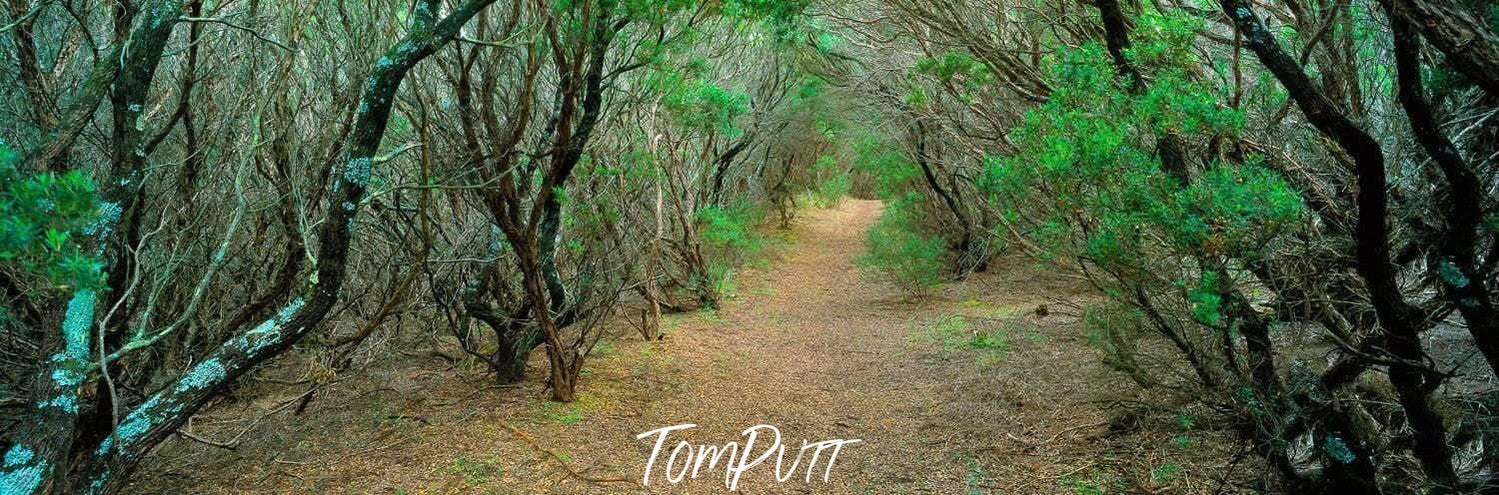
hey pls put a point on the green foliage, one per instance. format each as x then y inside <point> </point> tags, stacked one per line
<point>785,18</point>
<point>1184,422</point>
<point>989,341</point>
<point>698,104</point>
<point>732,236</point>
<point>1092,484</point>
<point>896,248</point>
<point>1233,211</point>
<point>958,67</point>
<point>563,413</point>
<point>918,97</point>
<point>809,94</point>
<point>1086,184</point>
<point>835,185</point>
<point>1087,171</point>
<point>1166,472</point>
<point>891,172</point>
<point>45,219</point>
<point>952,331</point>
<point>1207,304</point>
<point>827,42</point>
<point>957,333</point>
<point>732,230</point>
<point>1164,40</point>
<point>832,190</point>
<point>653,9</point>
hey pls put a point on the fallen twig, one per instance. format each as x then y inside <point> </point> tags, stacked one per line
<point>570,471</point>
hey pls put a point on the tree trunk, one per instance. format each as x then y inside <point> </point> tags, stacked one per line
<point>1468,44</point>
<point>1397,317</point>
<point>1462,280</point>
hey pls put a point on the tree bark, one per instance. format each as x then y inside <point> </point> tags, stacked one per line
<point>1457,270</point>
<point>1469,45</point>
<point>923,159</point>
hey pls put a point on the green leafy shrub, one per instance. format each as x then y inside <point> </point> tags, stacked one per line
<point>44,219</point>
<point>784,17</point>
<point>895,248</point>
<point>957,67</point>
<point>891,173</point>
<point>1087,177</point>
<point>1170,243</point>
<point>732,237</point>
<point>702,105</point>
<point>732,231</point>
<point>833,188</point>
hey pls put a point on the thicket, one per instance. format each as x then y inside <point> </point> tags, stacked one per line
<point>200,187</point>
<point>1278,204</point>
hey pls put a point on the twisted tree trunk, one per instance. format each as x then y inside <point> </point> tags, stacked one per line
<point>1461,277</point>
<point>1398,318</point>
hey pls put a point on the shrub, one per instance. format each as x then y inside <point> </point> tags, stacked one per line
<point>731,232</point>
<point>43,217</point>
<point>831,189</point>
<point>731,237</point>
<point>897,249</point>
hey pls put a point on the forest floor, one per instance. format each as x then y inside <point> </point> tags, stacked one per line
<point>971,390</point>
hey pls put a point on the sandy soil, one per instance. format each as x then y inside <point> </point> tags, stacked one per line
<point>809,344</point>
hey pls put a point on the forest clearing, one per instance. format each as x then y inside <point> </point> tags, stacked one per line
<point>1077,247</point>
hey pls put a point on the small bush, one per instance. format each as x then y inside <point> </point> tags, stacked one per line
<point>731,231</point>
<point>898,250</point>
<point>731,237</point>
<point>833,188</point>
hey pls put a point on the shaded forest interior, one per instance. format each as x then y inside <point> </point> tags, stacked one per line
<point>1074,246</point>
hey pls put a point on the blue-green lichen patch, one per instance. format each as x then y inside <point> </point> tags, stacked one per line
<point>357,171</point>
<point>109,214</point>
<point>267,331</point>
<point>206,374</point>
<point>66,402</point>
<point>77,323</point>
<point>97,486</point>
<point>67,375</point>
<point>150,413</point>
<point>22,471</point>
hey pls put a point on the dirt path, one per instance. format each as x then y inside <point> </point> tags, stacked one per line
<point>809,345</point>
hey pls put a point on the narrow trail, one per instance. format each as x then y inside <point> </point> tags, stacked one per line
<point>809,345</point>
